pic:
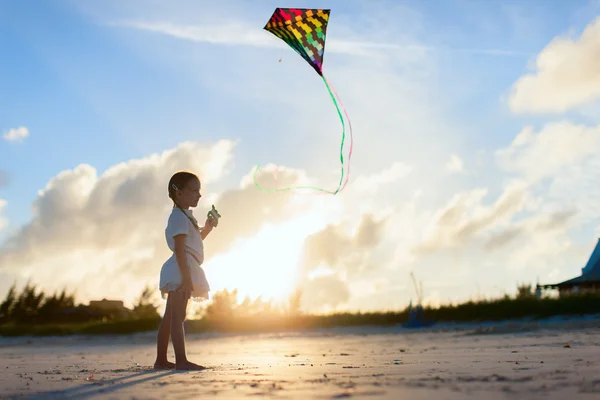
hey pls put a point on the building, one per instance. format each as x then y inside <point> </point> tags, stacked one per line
<point>588,282</point>
<point>110,307</point>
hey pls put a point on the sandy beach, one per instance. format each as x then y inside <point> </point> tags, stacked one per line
<point>493,362</point>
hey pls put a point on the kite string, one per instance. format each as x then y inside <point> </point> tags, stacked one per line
<point>350,129</point>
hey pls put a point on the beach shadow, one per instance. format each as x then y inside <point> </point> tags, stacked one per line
<point>104,387</point>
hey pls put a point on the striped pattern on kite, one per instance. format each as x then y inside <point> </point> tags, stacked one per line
<point>304,30</point>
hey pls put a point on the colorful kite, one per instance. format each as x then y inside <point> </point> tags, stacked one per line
<point>304,31</point>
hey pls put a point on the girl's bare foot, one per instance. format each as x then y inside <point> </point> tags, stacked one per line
<point>189,366</point>
<point>164,365</point>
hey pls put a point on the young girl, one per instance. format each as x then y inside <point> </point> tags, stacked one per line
<point>181,276</point>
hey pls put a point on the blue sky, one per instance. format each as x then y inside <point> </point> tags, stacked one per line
<point>105,82</point>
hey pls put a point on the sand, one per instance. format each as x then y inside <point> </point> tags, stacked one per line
<point>369,363</point>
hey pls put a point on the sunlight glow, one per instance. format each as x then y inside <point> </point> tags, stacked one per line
<point>266,264</point>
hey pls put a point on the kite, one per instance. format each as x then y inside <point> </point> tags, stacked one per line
<point>304,30</point>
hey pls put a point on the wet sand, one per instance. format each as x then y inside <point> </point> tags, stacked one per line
<point>367,363</point>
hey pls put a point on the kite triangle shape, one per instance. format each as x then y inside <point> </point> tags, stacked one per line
<point>304,30</point>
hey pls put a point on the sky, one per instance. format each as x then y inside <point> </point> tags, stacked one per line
<point>475,166</point>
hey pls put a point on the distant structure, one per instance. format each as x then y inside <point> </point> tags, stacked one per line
<point>114,307</point>
<point>588,282</point>
<point>593,261</point>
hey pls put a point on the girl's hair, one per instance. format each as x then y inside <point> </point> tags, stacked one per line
<point>178,182</point>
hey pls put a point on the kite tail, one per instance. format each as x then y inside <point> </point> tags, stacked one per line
<point>350,129</point>
<point>337,107</point>
<point>333,95</point>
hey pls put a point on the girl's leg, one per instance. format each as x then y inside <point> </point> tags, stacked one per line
<point>178,309</point>
<point>162,339</point>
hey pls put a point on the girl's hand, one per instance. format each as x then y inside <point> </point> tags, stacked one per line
<point>208,227</point>
<point>187,285</point>
<point>210,223</point>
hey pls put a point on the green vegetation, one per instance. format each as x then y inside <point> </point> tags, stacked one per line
<point>33,313</point>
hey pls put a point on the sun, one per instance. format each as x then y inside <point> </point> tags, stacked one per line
<point>266,264</point>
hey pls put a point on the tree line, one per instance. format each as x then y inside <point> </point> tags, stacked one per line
<point>33,306</point>
<point>32,310</point>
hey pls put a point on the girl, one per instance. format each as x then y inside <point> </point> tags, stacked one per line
<point>181,276</point>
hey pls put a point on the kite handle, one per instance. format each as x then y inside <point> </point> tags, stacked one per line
<point>214,214</point>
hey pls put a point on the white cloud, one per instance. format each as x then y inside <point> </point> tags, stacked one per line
<point>536,156</point>
<point>16,134</point>
<point>561,163</point>
<point>240,34</point>
<point>369,184</point>
<point>465,218</point>
<point>325,293</point>
<point>455,165</point>
<point>222,33</point>
<point>94,228</point>
<point>566,77</point>
<point>468,246</point>
<point>337,258</point>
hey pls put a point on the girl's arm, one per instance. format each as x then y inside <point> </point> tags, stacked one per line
<point>204,232</point>
<point>207,228</point>
<point>181,256</point>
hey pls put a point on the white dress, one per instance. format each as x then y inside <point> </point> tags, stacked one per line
<point>170,274</point>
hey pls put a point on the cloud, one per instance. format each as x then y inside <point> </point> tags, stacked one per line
<point>370,183</point>
<point>337,256</point>
<point>501,239</point>
<point>369,233</point>
<point>16,134</point>
<point>237,33</point>
<point>533,225</point>
<point>223,33</point>
<point>335,248</point>
<point>465,218</point>
<point>536,156</point>
<point>561,163</point>
<point>325,293</point>
<point>93,227</point>
<point>566,76</point>
<point>455,165</point>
